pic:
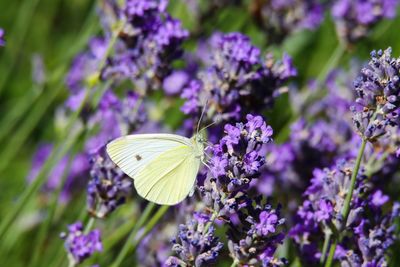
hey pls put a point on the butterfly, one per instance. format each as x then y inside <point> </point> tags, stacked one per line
<point>164,167</point>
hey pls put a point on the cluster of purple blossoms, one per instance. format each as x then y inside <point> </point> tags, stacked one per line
<point>378,89</point>
<point>280,18</point>
<point>254,235</point>
<point>236,162</point>
<point>150,41</point>
<point>322,208</point>
<point>253,226</point>
<point>354,18</point>
<point>368,232</point>
<point>108,187</point>
<point>373,236</point>
<point>195,244</point>
<point>79,245</point>
<point>237,80</point>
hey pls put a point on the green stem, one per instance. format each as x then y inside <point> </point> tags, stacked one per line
<point>55,157</point>
<point>349,195</point>
<point>332,250</point>
<point>235,263</point>
<point>89,225</point>
<point>45,226</point>
<point>143,218</point>
<point>161,211</point>
<point>16,141</point>
<point>347,201</point>
<point>331,63</point>
<point>18,109</point>
<point>327,239</point>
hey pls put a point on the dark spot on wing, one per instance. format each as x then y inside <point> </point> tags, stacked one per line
<point>138,157</point>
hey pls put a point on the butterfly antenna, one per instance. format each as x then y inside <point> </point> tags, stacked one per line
<point>201,117</point>
<point>211,124</point>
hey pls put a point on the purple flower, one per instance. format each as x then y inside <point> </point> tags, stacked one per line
<point>236,47</point>
<point>144,13</point>
<point>232,135</point>
<point>282,17</point>
<point>236,162</point>
<point>378,88</point>
<point>254,237</point>
<point>108,187</point>
<point>79,245</point>
<point>219,166</point>
<point>170,33</point>
<point>354,19</point>
<point>267,223</point>
<point>190,93</point>
<point>195,244</point>
<point>325,211</point>
<point>237,80</point>
<point>174,83</point>
<point>378,198</point>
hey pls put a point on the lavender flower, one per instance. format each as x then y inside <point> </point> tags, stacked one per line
<point>149,43</point>
<point>79,245</point>
<point>368,232</point>
<point>196,244</point>
<point>323,205</point>
<point>354,19</point>
<point>378,90</point>
<point>372,237</point>
<point>237,81</point>
<point>108,187</point>
<point>236,162</point>
<point>174,83</point>
<point>280,18</point>
<point>255,235</point>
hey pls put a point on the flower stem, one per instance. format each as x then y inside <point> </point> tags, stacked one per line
<point>347,202</point>
<point>161,211</point>
<point>235,263</point>
<point>327,239</point>
<point>143,218</point>
<point>45,225</point>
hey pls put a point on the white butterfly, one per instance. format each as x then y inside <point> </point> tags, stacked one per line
<point>164,166</point>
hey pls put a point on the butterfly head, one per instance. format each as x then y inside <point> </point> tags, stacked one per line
<point>199,142</point>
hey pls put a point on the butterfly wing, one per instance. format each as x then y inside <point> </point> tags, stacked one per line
<point>170,177</point>
<point>132,153</point>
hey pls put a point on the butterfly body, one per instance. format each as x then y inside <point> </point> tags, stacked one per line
<point>164,166</point>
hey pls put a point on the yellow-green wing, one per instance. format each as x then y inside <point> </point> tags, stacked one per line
<point>169,178</point>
